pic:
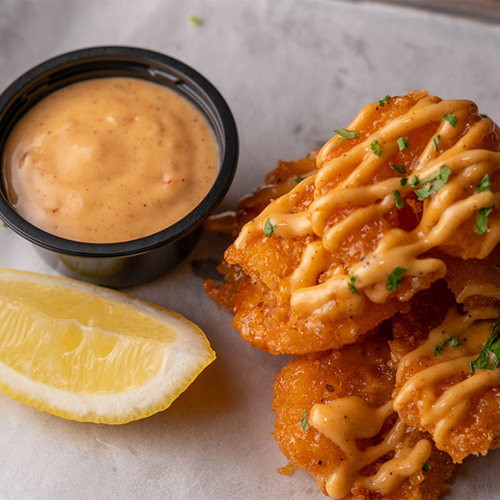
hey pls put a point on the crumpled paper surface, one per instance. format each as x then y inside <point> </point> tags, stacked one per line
<point>292,72</point>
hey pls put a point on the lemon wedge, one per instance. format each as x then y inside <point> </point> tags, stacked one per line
<point>91,354</point>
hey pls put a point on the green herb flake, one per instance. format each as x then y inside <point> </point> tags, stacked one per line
<point>400,169</point>
<point>441,178</point>
<point>436,142</point>
<point>438,351</point>
<point>397,199</point>
<point>485,184</point>
<point>347,134</point>
<point>482,220</point>
<point>451,119</point>
<point>415,181</point>
<point>352,279</point>
<point>299,179</point>
<point>375,147</point>
<point>304,422</point>
<point>395,279</point>
<point>426,467</point>
<point>195,20</point>
<point>384,100</point>
<point>269,228</point>
<point>490,354</point>
<point>403,143</point>
<point>423,193</point>
<point>454,341</point>
<point>403,181</point>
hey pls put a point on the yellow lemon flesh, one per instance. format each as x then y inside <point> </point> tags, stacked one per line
<point>91,354</point>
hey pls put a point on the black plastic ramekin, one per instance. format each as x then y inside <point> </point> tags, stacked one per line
<point>137,261</point>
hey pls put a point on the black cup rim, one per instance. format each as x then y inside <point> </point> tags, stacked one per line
<point>153,62</point>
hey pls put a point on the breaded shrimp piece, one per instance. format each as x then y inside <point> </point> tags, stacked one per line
<point>268,322</point>
<point>447,382</point>
<point>348,246</point>
<point>279,181</point>
<point>334,419</point>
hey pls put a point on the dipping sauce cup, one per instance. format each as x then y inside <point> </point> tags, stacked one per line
<point>135,261</point>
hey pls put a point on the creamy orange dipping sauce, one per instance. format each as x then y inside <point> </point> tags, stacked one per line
<point>109,160</point>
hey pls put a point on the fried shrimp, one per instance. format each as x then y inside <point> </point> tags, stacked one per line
<point>441,390</point>
<point>348,246</point>
<point>279,181</point>
<point>446,384</point>
<point>335,420</point>
<point>380,268</point>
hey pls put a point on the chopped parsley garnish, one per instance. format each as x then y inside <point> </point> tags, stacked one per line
<point>485,184</point>
<point>436,142</point>
<point>482,214</point>
<point>347,134</point>
<point>454,341</point>
<point>384,100</point>
<point>195,20</point>
<point>375,147</point>
<point>299,179</point>
<point>423,193</point>
<point>426,467</point>
<point>352,279</point>
<point>269,228</point>
<point>415,181</point>
<point>304,422</point>
<point>451,119</point>
<point>397,199</point>
<point>403,143</point>
<point>395,279</point>
<point>441,178</point>
<point>400,169</point>
<point>482,220</point>
<point>403,181</point>
<point>490,354</point>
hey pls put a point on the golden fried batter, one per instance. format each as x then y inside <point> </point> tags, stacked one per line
<point>268,322</point>
<point>278,182</point>
<point>362,371</point>
<point>474,282</point>
<point>348,246</point>
<point>437,390</point>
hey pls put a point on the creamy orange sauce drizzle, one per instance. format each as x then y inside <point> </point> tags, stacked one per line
<point>443,412</point>
<point>350,418</point>
<point>443,212</point>
<point>109,160</point>
<point>479,289</point>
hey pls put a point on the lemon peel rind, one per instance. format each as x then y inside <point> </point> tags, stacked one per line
<point>183,360</point>
<point>113,409</point>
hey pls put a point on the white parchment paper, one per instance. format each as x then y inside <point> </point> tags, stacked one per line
<point>292,72</point>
